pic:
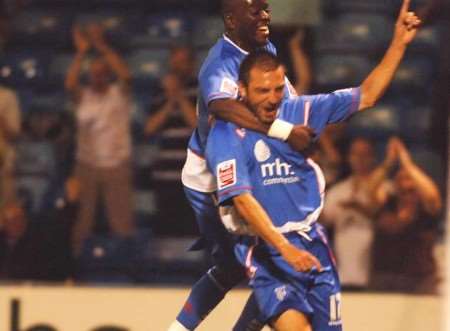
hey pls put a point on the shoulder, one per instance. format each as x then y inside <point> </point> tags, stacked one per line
<point>6,92</point>
<point>223,129</point>
<point>220,59</point>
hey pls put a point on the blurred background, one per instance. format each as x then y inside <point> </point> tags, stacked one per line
<point>82,204</point>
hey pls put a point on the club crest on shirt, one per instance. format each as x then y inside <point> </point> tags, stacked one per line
<point>226,173</point>
<point>229,86</point>
<point>281,292</point>
<point>261,151</point>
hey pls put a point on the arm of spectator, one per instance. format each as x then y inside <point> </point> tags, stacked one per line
<point>72,82</point>
<point>380,173</point>
<point>426,188</point>
<point>329,149</point>
<point>157,121</point>
<point>300,61</point>
<point>250,209</point>
<point>10,120</point>
<point>116,62</point>
<point>379,79</point>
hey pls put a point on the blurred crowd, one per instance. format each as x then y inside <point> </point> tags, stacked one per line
<point>382,209</point>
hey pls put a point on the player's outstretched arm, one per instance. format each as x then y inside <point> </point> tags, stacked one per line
<point>250,209</point>
<point>379,79</point>
<point>230,110</point>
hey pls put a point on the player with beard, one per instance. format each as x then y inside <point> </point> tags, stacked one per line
<point>266,190</point>
<point>246,29</point>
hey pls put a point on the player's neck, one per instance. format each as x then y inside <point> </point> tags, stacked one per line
<point>239,42</point>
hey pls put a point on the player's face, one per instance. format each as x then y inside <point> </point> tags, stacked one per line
<point>251,22</point>
<point>264,93</point>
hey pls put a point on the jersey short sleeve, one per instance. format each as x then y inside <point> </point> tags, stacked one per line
<point>218,82</point>
<point>227,161</point>
<point>317,111</point>
<point>333,107</point>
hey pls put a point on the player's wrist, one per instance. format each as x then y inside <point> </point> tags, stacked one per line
<point>280,129</point>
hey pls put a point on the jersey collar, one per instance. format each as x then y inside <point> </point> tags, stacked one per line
<point>234,45</point>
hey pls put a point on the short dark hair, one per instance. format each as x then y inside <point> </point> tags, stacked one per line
<point>262,59</point>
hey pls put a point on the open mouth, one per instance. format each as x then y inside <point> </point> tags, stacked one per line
<point>264,29</point>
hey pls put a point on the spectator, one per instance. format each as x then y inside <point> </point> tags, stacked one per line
<point>31,250</point>
<point>10,123</point>
<point>103,135</point>
<point>172,122</point>
<point>350,211</point>
<point>406,229</point>
<point>301,64</point>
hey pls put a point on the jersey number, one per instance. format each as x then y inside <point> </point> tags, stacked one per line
<point>335,307</point>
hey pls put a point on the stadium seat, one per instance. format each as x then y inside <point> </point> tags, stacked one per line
<point>37,27</point>
<point>364,6</point>
<point>416,122</point>
<point>427,40</point>
<point>365,33</point>
<point>381,121</point>
<point>109,259</point>
<point>414,73</point>
<point>162,30</point>
<point>59,65</point>
<point>207,30</point>
<point>144,202</point>
<point>25,68</point>
<point>338,71</point>
<point>147,65</point>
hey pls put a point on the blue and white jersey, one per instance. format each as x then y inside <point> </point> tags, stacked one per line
<point>218,79</point>
<point>289,186</point>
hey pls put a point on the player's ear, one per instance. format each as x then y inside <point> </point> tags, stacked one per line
<point>242,90</point>
<point>228,21</point>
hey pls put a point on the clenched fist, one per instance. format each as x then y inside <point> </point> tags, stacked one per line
<point>301,137</point>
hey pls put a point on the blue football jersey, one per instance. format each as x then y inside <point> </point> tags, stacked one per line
<point>218,79</point>
<point>289,186</point>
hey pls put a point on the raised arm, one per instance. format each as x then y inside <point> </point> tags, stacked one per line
<point>250,209</point>
<point>117,64</point>
<point>379,79</point>
<point>426,188</point>
<point>82,45</point>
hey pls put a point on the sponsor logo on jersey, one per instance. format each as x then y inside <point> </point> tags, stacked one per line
<point>226,173</point>
<point>276,172</point>
<point>261,151</point>
<point>229,86</point>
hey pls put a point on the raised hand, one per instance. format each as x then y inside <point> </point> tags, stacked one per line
<point>80,41</point>
<point>301,137</point>
<point>407,24</point>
